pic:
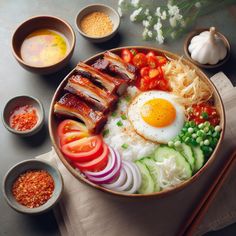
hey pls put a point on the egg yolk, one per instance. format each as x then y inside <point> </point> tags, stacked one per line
<point>158,112</point>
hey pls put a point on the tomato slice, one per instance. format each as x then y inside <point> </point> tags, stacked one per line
<point>70,125</point>
<point>126,55</point>
<point>96,164</point>
<point>85,149</point>
<point>139,60</point>
<point>152,62</point>
<point>163,85</point>
<point>151,53</point>
<point>144,71</point>
<point>161,60</point>
<point>72,136</point>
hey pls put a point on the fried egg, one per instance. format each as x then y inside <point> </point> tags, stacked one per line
<point>156,116</point>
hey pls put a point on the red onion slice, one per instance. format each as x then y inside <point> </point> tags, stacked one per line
<point>119,182</point>
<point>112,175</point>
<point>136,178</point>
<point>108,169</point>
<point>128,181</point>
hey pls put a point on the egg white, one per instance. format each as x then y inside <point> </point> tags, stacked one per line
<point>155,134</point>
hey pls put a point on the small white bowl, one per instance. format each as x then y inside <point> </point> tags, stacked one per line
<point>113,15</point>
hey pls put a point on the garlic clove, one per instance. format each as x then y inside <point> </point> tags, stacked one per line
<point>207,47</point>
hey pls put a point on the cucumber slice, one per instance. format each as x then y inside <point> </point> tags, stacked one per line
<point>153,170</point>
<point>147,185</point>
<point>187,152</point>
<point>199,158</point>
<point>163,153</point>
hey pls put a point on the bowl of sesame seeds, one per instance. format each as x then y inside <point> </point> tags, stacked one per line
<point>32,186</point>
<point>97,22</point>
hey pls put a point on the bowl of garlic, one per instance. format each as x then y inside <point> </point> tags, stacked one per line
<point>207,48</point>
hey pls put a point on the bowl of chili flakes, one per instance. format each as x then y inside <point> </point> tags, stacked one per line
<point>23,115</point>
<point>32,186</point>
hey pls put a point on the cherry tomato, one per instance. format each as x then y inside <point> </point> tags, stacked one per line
<point>163,85</point>
<point>151,53</point>
<point>72,136</point>
<point>126,55</point>
<point>204,112</point>
<point>154,73</point>
<point>85,149</point>
<point>96,164</point>
<point>144,71</point>
<point>161,60</point>
<point>152,62</point>
<point>139,60</point>
<point>70,125</point>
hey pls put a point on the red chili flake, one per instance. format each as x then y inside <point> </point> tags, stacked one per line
<point>23,118</point>
<point>33,188</point>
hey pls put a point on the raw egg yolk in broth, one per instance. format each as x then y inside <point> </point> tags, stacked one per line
<point>158,112</point>
<point>44,47</point>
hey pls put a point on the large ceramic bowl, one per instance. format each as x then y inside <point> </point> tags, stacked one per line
<point>43,22</point>
<point>53,122</point>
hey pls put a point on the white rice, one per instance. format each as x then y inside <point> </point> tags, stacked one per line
<point>137,146</point>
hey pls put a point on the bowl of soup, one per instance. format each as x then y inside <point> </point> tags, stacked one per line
<point>43,44</point>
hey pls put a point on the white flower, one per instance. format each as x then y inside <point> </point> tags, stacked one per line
<point>135,3</point>
<point>163,15</point>
<point>173,22</point>
<point>133,16</point>
<point>120,2</point>
<point>146,23</point>
<point>198,4</point>
<point>147,33</point>
<point>150,33</point>
<point>159,37</point>
<point>119,11</point>
<point>158,25</point>
<point>149,18</point>
<point>173,9</point>
<point>158,12</point>
<point>147,12</point>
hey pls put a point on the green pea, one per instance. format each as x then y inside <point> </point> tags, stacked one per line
<point>199,139</point>
<point>177,143</point>
<point>206,142</point>
<point>190,130</point>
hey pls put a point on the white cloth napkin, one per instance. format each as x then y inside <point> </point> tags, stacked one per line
<point>87,211</point>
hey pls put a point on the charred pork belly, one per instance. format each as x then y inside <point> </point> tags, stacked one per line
<point>110,83</point>
<point>91,93</point>
<point>101,64</point>
<point>71,105</point>
<point>118,66</point>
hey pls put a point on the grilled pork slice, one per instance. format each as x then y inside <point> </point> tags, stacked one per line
<point>110,83</point>
<point>71,105</point>
<point>91,93</point>
<point>117,65</point>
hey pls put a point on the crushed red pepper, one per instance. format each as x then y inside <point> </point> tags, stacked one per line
<point>23,118</point>
<point>33,188</point>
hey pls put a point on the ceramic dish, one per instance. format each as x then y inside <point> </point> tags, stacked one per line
<point>22,101</point>
<point>207,66</point>
<point>113,15</point>
<point>22,167</point>
<point>43,22</point>
<point>53,123</point>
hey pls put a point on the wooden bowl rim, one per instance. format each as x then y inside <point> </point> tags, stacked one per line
<point>38,17</point>
<point>207,66</point>
<point>163,193</point>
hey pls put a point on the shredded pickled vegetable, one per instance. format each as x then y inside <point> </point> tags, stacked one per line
<point>186,84</point>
